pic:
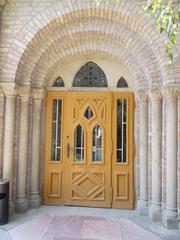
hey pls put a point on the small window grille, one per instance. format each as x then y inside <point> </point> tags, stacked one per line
<point>58,82</point>
<point>90,75</point>
<point>122,83</point>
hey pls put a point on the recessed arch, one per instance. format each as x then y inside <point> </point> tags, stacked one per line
<point>90,75</point>
<point>117,14</point>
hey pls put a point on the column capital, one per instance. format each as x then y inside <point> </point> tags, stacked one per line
<point>142,97</point>
<point>24,91</point>
<point>171,92</point>
<point>38,94</point>
<point>156,94</point>
<point>9,89</point>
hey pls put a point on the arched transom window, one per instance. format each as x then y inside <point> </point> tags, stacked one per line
<point>122,83</point>
<point>90,75</point>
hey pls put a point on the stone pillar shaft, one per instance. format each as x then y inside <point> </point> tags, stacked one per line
<point>143,155</point>
<point>35,199</point>
<point>170,216</point>
<point>155,210</point>
<point>21,196</point>
<point>9,140</point>
<point>8,153</point>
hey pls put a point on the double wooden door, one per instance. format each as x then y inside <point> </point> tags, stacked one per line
<point>89,149</point>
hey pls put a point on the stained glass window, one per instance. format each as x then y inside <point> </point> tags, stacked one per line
<point>90,75</point>
<point>122,83</point>
<point>58,82</point>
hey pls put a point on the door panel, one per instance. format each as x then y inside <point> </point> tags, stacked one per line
<point>54,156</point>
<point>88,160</point>
<point>122,160</point>
<point>88,179</point>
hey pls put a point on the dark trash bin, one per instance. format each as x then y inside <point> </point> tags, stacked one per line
<point>4,201</point>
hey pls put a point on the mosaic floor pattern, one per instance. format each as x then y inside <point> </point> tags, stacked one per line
<point>80,228</point>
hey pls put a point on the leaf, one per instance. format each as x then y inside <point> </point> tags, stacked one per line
<point>172,37</point>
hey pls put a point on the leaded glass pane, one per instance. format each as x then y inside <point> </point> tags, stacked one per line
<point>88,113</point>
<point>122,83</point>
<point>79,144</point>
<point>121,130</point>
<point>97,144</point>
<point>58,82</point>
<point>90,75</point>
<point>56,130</point>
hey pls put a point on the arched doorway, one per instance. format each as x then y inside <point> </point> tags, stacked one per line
<point>89,144</point>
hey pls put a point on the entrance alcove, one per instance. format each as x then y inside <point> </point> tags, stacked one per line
<point>63,40</point>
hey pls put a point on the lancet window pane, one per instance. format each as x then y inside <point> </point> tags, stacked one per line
<point>122,83</point>
<point>97,144</point>
<point>58,82</point>
<point>90,75</point>
<point>88,113</point>
<point>79,144</point>
<point>56,130</point>
<point>121,130</point>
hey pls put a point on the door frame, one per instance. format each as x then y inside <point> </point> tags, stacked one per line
<point>62,94</point>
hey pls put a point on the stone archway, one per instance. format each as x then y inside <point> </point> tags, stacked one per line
<point>88,31</point>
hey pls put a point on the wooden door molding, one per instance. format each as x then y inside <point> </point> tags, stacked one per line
<point>54,170</point>
<point>89,183</point>
<point>122,173</point>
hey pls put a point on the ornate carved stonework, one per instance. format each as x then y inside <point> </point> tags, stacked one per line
<point>24,91</point>
<point>141,97</point>
<point>38,93</point>
<point>156,95</point>
<point>171,92</point>
<point>9,89</point>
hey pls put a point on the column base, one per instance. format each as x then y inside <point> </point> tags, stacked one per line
<point>11,207</point>
<point>142,207</point>
<point>155,213</point>
<point>22,204</point>
<point>35,200</point>
<point>170,220</point>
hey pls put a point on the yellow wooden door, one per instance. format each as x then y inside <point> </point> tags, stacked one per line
<point>54,146</point>
<point>88,149</point>
<point>123,145</point>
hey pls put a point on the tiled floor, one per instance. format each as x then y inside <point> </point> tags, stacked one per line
<point>75,223</point>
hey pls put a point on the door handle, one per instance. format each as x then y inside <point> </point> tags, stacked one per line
<point>68,150</point>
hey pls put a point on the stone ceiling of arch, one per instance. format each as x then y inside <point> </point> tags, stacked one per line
<point>142,40</point>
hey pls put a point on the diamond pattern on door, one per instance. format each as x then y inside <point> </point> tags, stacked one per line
<point>87,185</point>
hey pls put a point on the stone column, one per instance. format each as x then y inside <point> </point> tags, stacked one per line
<point>22,203</point>
<point>156,119</point>
<point>8,154</point>
<point>1,131</point>
<point>35,199</point>
<point>170,216</point>
<point>142,204</point>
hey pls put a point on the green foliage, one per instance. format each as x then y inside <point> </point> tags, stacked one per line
<point>167,15</point>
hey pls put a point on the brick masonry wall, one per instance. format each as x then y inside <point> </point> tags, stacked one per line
<point>38,35</point>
